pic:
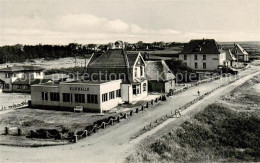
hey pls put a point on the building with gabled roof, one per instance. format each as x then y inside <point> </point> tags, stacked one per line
<point>11,76</point>
<point>203,55</point>
<point>230,58</point>
<point>240,53</point>
<point>160,77</point>
<point>119,64</point>
<point>111,78</point>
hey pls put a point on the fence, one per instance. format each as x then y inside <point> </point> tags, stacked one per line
<point>102,124</point>
<point>14,106</point>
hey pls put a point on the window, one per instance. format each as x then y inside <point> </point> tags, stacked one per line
<point>80,98</point>
<point>204,57</point>
<point>141,70</point>
<point>196,65</point>
<point>185,57</point>
<point>7,86</point>
<point>111,95</point>
<point>92,99</point>
<point>144,87</point>
<point>67,97</point>
<point>104,97</point>
<point>7,75</point>
<point>204,65</point>
<point>195,57</point>
<point>136,89</point>
<point>19,87</point>
<point>135,72</point>
<point>54,96</point>
<point>118,93</point>
<point>44,96</point>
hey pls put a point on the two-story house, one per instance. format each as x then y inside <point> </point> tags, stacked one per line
<point>19,78</point>
<point>203,55</point>
<point>118,64</point>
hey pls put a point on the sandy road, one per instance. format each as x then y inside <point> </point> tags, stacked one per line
<point>114,143</point>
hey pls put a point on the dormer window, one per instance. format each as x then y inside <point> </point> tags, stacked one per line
<point>135,72</point>
<point>197,48</point>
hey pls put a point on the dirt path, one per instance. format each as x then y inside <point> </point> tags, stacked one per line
<point>114,143</point>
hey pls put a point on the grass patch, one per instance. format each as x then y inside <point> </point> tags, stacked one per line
<point>216,134</point>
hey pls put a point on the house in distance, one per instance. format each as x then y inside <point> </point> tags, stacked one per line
<point>20,78</point>
<point>203,55</point>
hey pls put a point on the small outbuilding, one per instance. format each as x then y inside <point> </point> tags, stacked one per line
<point>160,77</point>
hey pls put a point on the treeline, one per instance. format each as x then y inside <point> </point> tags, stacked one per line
<point>20,53</point>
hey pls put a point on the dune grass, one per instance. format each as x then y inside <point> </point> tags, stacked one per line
<point>216,134</point>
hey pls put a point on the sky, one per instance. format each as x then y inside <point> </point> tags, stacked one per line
<point>103,21</point>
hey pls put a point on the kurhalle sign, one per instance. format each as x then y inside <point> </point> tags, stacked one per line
<point>79,89</point>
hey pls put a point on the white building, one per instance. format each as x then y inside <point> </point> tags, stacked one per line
<point>203,55</point>
<point>93,96</point>
<point>240,53</point>
<point>112,78</point>
<point>19,78</point>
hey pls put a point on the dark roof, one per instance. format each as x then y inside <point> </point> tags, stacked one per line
<point>116,61</point>
<point>203,46</point>
<point>238,50</point>
<point>94,56</point>
<point>113,58</point>
<point>229,56</point>
<point>158,70</point>
<point>21,69</point>
<point>29,81</point>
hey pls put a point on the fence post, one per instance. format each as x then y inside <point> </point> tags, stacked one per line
<point>152,102</point>
<point>46,134</point>
<point>19,132</point>
<point>112,122</point>
<point>75,138</point>
<point>104,125</point>
<point>147,105</point>
<point>118,119</point>
<point>6,130</point>
<point>131,113</point>
<point>142,108</point>
<point>60,136</point>
<point>136,110</point>
<point>125,116</point>
<point>156,100</point>
<point>85,133</point>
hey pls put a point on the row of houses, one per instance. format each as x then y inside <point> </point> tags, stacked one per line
<point>208,55</point>
<point>113,77</point>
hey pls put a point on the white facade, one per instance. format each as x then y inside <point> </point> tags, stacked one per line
<point>204,62</point>
<point>92,96</point>
<point>10,76</point>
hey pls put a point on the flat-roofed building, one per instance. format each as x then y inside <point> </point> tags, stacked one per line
<point>93,96</point>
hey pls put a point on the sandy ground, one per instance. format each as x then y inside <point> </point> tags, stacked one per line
<point>49,64</point>
<point>7,99</point>
<point>115,143</point>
